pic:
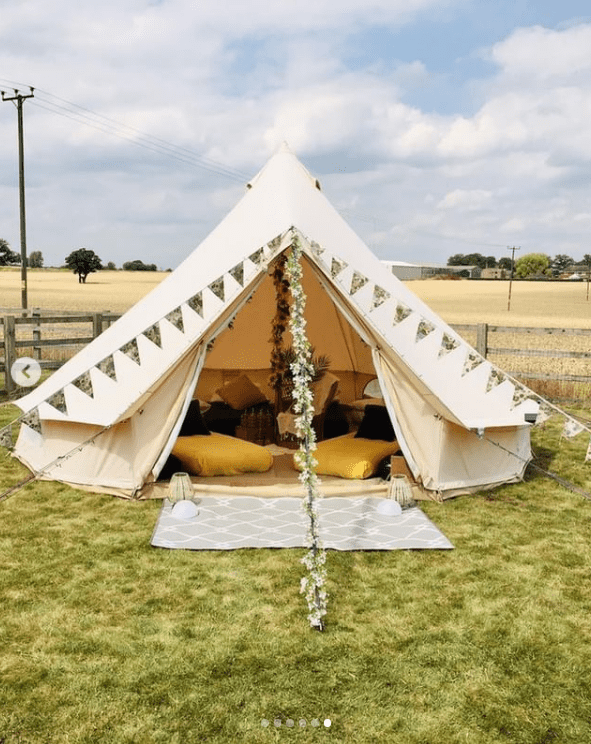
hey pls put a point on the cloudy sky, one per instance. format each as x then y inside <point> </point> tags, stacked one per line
<point>435,126</point>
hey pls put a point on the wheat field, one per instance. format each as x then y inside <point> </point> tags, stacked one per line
<point>536,304</point>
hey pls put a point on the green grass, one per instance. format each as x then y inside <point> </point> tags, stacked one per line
<point>105,639</point>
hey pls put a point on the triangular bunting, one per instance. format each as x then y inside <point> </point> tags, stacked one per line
<point>521,393</point>
<point>401,313</point>
<point>153,333</point>
<point>258,257</point>
<point>58,401</point>
<point>217,288</point>
<point>317,249</point>
<point>107,367</point>
<point>196,303</point>
<point>6,437</point>
<point>336,267</point>
<point>544,413</point>
<point>380,296</point>
<point>84,383</point>
<point>448,343</point>
<point>237,273</point>
<point>176,318</point>
<point>572,428</point>
<point>357,281</point>
<point>275,244</point>
<point>473,360</point>
<point>424,329</point>
<point>32,420</point>
<point>131,350</point>
<point>495,378</point>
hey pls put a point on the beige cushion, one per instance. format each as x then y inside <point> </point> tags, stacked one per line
<point>241,393</point>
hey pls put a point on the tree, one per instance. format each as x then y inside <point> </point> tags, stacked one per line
<point>36,260</point>
<point>8,257</point>
<point>138,265</point>
<point>561,263</point>
<point>111,266</point>
<point>456,260</point>
<point>83,262</point>
<point>532,264</point>
<point>505,263</point>
<point>472,259</point>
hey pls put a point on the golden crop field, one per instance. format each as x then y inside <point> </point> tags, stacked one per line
<point>535,304</point>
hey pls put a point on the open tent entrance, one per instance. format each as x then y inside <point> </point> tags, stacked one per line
<point>243,349</point>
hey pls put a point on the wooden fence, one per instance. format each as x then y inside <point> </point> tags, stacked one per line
<point>23,335</point>
<point>36,332</point>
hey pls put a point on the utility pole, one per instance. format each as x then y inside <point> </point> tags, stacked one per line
<point>512,249</point>
<point>19,98</point>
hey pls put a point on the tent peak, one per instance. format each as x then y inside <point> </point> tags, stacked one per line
<point>284,163</point>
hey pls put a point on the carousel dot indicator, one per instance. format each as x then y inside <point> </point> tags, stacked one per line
<point>327,723</point>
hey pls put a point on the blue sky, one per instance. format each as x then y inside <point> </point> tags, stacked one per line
<point>435,127</point>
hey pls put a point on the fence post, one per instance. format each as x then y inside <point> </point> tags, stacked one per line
<point>9,352</point>
<point>482,339</point>
<point>36,313</point>
<point>97,324</point>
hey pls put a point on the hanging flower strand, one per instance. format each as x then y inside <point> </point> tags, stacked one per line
<point>312,585</point>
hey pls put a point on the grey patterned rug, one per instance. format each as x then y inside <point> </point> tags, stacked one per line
<point>228,523</point>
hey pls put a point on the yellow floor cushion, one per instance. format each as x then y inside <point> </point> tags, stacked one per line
<point>351,457</point>
<point>219,454</point>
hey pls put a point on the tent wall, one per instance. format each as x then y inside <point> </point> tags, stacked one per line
<point>121,457</point>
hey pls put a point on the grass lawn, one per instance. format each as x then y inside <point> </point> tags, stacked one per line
<point>105,639</point>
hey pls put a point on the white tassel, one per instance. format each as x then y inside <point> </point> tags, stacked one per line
<point>400,490</point>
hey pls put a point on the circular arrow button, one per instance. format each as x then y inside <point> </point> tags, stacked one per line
<point>26,372</point>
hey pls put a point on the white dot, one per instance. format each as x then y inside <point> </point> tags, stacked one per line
<point>315,723</point>
<point>264,723</point>
<point>327,722</point>
<point>289,722</point>
<point>302,723</point>
<point>277,722</point>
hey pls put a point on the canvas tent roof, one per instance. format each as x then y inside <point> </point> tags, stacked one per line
<point>138,376</point>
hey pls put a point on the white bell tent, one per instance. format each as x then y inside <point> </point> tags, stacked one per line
<point>108,418</point>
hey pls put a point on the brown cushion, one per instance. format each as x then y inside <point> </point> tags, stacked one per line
<point>241,393</point>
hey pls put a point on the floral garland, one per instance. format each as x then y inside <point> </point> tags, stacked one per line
<point>312,585</point>
<point>280,322</point>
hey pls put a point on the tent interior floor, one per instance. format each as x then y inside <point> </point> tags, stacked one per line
<point>280,480</point>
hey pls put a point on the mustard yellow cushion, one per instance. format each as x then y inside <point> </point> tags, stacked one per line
<point>219,454</point>
<point>241,393</point>
<point>350,457</point>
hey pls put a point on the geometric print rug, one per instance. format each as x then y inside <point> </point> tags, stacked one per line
<point>229,523</point>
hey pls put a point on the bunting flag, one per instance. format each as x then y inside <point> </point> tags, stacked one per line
<point>258,257</point>
<point>32,420</point>
<point>107,367</point>
<point>6,437</point>
<point>588,455</point>
<point>217,288</point>
<point>380,296</point>
<point>237,273</point>
<point>448,343</point>
<point>520,394</point>
<point>131,350</point>
<point>336,267</point>
<point>58,401</point>
<point>424,329</point>
<point>176,319</point>
<point>275,244</point>
<point>357,282</point>
<point>84,383</point>
<point>473,360</point>
<point>153,333</point>
<point>495,378</point>
<point>544,413</point>
<point>401,313</point>
<point>571,429</point>
<point>196,303</point>
<point>317,249</point>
